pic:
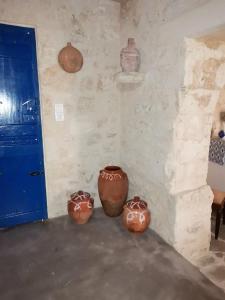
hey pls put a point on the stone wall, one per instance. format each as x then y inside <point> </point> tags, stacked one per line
<point>203,85</point>
<point>88,139</point>
<point>167,119</point>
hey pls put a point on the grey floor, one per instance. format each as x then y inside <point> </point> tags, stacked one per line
<point>99,260</point>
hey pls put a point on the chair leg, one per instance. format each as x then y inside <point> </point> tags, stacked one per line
<point>224,214</point>
<point>218,220</point>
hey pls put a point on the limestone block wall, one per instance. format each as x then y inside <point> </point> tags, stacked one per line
<point>197,102</point>
<point>88,139</point>
<point>166,126</point>
<point>203,86</point>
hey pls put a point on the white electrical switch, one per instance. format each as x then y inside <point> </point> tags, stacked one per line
<point>59,112</point>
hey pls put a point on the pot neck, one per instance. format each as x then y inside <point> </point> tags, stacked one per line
<point>131,43</point>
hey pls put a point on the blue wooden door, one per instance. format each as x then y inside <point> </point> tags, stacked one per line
<point>22,180</point>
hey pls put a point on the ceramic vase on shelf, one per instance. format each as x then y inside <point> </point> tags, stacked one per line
<point>113,190</point>
<point>130,57</point>
<point>136,215</point>
<point>80,207</point>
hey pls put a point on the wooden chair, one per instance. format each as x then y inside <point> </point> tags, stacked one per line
<point>218,205</point>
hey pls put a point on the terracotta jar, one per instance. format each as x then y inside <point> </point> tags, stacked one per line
<point>113,189</point>
<point>130,57</point>
<point>80,207</point>
<point>136,215</point>
<point>70,59</point>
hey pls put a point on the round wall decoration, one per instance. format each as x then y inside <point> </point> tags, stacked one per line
<point>70,59</point>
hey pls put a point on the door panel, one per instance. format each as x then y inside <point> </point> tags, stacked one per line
<point>22,180</point>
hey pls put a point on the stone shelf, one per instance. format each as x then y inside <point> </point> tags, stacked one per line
<point>131,77</point>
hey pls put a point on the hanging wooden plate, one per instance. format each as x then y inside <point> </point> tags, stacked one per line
<point>70,59</point>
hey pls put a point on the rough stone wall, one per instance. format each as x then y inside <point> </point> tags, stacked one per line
<point>197,103</point>
<point>88,139</point>
<point>145,110</point>
<point>167,119</point>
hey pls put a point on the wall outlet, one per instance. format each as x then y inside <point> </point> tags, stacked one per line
<point>59,112</point>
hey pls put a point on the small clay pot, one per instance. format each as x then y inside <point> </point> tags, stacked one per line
<point>136,215</point>
<point>70,59</point>
<point>113,189</point>
<point>80,207</point>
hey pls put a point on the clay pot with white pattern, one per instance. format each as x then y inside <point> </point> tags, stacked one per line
<point>113,190</point>
<point>80,207</point>
<point>136,215</point>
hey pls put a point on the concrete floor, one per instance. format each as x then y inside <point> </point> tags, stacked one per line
<point>99,260</point>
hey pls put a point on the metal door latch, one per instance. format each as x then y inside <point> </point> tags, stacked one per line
<point>36,173</point>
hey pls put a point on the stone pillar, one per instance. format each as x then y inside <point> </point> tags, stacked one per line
<point>192,225</point>
<point>188,161</point>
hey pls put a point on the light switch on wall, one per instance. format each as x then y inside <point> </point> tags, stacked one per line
<point>59,112</point>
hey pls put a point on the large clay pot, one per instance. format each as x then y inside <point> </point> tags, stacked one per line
<point>130,57</point>
<point>80,207</point>
<point>136,216</point>
<point>70,59</point>
<point>113,189</point>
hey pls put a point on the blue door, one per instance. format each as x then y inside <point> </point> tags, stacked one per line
<point>22,180</point>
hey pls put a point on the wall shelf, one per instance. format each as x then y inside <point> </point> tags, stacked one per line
<point>131,77</point>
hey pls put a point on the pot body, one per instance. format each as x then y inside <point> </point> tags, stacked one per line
<point>136,215</point>
<point>113,190</point>
<point>70,59</point>
<point>130,57</point>
<point>80,207</point>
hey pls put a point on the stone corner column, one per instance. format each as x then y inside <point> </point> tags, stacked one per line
<point>193,223</point>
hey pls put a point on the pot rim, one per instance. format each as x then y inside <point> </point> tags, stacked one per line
<point>80,194</point>
<point>112,169</point>
<point>126,205</point>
